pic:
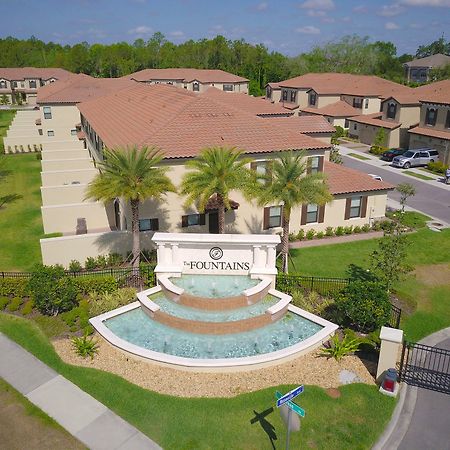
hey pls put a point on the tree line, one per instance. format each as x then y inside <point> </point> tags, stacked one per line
<point>351,54</point>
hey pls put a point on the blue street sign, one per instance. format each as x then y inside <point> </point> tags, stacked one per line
<point>291,405</point>
<point>290,395</point>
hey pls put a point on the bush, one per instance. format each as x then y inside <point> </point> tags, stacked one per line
<point>90,263</point>
<point>53,292</point>
<point>75,266</point>
<point>292,237</point>
<point>14,304</point>
<point>329,231</point>
<point>437,167</point>
<point>339,231</point>
<point>77,318</point>
<point>376,226</point>
<point>310,234</point>
<point>28,307</point>
<point>4,301</point>
<point>377,150</point>
<point>115,259</point>
<point>14,287</point>
<point>85,346</point>
<point>301,234</point>
<point>364,305</point>
<point>357,229</point>
<point>101,262</point>
<point>100,303</point>
<point>365,228</point>
<point>338,348</point>
<point>96,283</point>
<point>348,230</point>
<point>320,235</point>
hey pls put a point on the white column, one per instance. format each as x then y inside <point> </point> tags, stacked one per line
<point>391,341</point>
<point>258,257</point>
<point>175,255</point>
<point>271,256</point>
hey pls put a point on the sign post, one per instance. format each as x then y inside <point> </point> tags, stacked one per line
<point>285,401</point>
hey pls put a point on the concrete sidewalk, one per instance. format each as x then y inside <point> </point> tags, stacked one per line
<point>88,420</point>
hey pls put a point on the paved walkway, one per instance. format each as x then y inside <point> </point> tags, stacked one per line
<point>88,420</point>
<point>336,239</point>
<point>421,419</point>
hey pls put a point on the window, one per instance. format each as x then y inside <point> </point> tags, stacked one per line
<point>447,120</point>
<point>355,126</point>
<point>357,102</point>
<point>268,92</point>
<point>430,118</point>
<point>50,133</point>
<point>32,84</point>
<point>196,87</point>
<point>228,87</point>
<point>285,95</point>
<point>2,84</point>
<point>148,224</point>
<point>391,110</point>
<point>312,98</point>
<point>275,216</point>
<point>14,84</point>
<point>312,213</point>
<point>22,84</point>
<point>346,124</point>
<point>313,164</point>
<point>192,219</point>
<point>293,96</point>
<point>355,207</point>
<point>73,132</point>
<point>40,131</point>
<point>47,112</point>
<point>366,103</point>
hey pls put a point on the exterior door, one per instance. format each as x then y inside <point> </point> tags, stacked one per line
<point>213,222</point>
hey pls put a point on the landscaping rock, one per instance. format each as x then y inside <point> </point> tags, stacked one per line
<point>348,377</point>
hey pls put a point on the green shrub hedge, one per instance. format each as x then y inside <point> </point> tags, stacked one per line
<point>96,283</point>
<point>14,287</point>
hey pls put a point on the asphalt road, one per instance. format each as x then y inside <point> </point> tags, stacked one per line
<point>431,200</point>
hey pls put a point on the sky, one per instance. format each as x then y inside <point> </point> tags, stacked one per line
<point>290,27</point>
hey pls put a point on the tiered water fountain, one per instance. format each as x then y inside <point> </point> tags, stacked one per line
<point>215,306</point>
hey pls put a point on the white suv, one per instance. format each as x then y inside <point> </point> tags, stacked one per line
<point>417,157</point>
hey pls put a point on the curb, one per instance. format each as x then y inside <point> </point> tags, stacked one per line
<point>403,412</point>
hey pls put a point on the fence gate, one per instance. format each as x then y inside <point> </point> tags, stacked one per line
<point>425,366</point>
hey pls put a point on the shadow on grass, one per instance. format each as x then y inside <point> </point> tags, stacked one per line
<point>268,428</point>
<point>357,273</point>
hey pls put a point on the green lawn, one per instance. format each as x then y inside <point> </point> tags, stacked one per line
<point>418,175</point>
<point>21,222</point>
<point>6,117</point>
<point>355,420</point>
<point>430,304</point>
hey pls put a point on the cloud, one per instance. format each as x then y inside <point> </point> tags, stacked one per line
<point>433,3</point>
<point>360,9</point>
<point>177,34</point>
<point>308,29</point>
<point>391,10</point>
<point>261,6</point>
<point>391,26</point>
<point>316,13</point>
<point>141,30</point>
<point>328,20</point>
<point>318,4</point>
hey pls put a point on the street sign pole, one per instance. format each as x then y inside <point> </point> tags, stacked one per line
<point>288,432</point>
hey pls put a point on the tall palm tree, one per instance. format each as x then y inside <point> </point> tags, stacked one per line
<point>289,184</point>
<point>215,172</point>
<point>131,173</point>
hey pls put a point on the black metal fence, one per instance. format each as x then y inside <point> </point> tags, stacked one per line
<point>395,317</point>
<point>323,286</point>
<point>425,366</point>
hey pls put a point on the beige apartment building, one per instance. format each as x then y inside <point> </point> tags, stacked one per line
<point>21,84</point>
<point>418,70</point>
<point>195,80</point>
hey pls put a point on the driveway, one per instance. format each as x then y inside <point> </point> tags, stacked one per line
<point>431,200</point>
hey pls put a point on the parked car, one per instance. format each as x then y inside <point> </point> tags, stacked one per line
<point>375,177</point>
<point>390,154</point>
<point>417,157</point>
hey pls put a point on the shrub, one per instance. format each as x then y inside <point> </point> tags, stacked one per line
<point>365,228</point>
<point>4,301</point>
<point>364,305</point>
<point>437,167</point>
<point>310,234</point>
<point>292,237</point>
<point>387,225</point>
<point>100,303</point>
<point>148,255</point>
<point>301,234</point>
<point>377,150</point>
<point>376,226</point>
<point>357,229</point>
<point>77,318</point>
<point>75,266</point>
<point>28,307</point>
<point>338,348</point>
<point>320,235</point>
<point>101,262</point>
<point>14,304</point>
<point>115,259</point>
<point>90,263</point>
<point>339,231</point>
<point>96,283</point>
<point>53,292</point>
<point>14,287</point>
<point>348,230</point>
<point>85,346</point>
<point>329,231</point>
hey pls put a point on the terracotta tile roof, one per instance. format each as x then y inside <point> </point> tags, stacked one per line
<point>181,123</point>
<point>344,83</point>
<point>79,88</point>
<point>343,180</point>
<point>213,204</point>
<point>430,61</point>
<point>337,109</point>
<point>304,124</point>
<point>439,92</point>
<point>254,105</point>
<point>431,132</point>
<point>367,120</point>
<point>187,75</point>
<point>44,73</point>
<point>274,85</point>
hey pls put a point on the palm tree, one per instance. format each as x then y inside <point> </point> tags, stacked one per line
<point>131,173</point>
<point>216,172</point>
<point>289,184</point>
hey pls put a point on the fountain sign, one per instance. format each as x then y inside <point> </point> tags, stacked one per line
<point>215,254</point>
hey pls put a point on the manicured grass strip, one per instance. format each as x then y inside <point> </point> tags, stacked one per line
<point>6,117</point>
<point>20,221</point>
<point>424,169</point>
<point>358,156</point>
<point>417,175</point>
<point>355,420</point>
